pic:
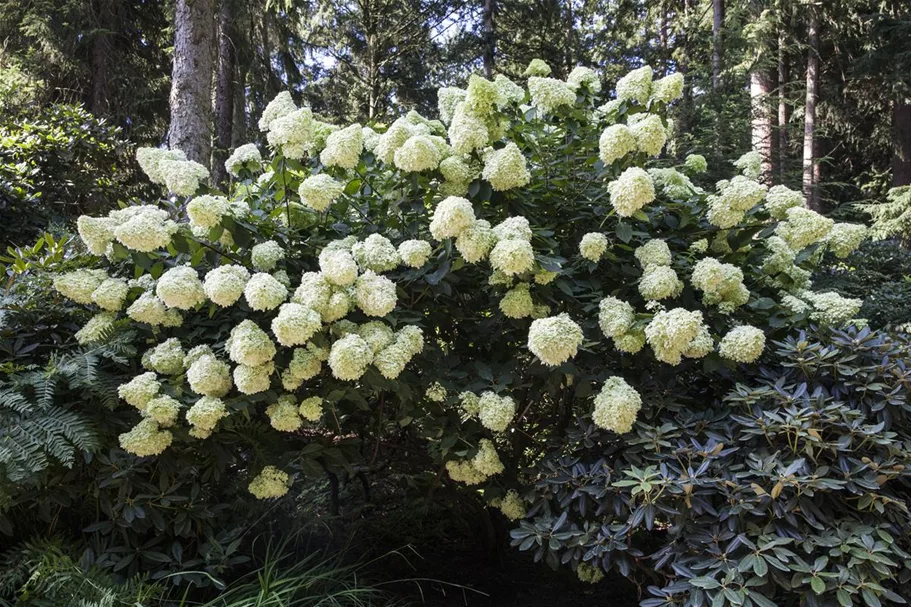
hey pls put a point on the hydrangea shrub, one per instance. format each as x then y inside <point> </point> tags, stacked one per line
<point>484,280</point>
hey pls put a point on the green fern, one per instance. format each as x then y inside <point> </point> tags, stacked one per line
<point>44,417</point>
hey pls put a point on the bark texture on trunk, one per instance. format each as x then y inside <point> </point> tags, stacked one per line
<point>761,120</point>
<point>901,141</point>
<point>489,41</point>
<point>810,171</point>
<point>224,94</point>
<point>191,79</point>
<point>101,57</point>
<point>783,108</point>
<point>717,53</point>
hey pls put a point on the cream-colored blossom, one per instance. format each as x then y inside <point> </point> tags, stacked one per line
<point>616,406</point>
<point>554,340</point>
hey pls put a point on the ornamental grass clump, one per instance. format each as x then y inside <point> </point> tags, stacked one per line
<point>531,276</point>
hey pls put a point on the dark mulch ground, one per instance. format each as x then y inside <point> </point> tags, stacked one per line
<point>444,551</point>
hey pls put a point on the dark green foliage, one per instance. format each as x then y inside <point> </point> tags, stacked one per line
<point>880,274</point>
<point>791,490</point>
<point>56,164</point>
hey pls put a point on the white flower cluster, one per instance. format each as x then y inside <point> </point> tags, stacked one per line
<point>742,344</point>
<point>205,414</point>
<point>375,295</point>
<point>436,392</point>
<point>163,410</point>
<point>311,408</point>
<point>830,308</point>
<point>343,147</point>
<point>391,360</point>
<point>305,364</point>
<point>295,324</point>
<point>583,76</point>
<point>284,415</point>
<point>674,184</point>
<point>249,345</point>
<point>419,153</point>
<point>225,284</point>
<point>549,94</point>
<point>246,157</point>
<point>780,198</point>
<point>494,412</point>
<point>721,284</point>
<point>294,134</point>
<point>517,302</point>
<point>554,340</point>
<point>320,191</point>
<point>145,439</point>
<point>537,67</point>
<point>415,253</point>
<point>505,168</point>
<point>143,228</point>
<point>750,165</point>
<point>593,246</point>
<point>264,292</point>
<point>511,505</point>
<point>140,390</point>
<point>676,333</point>
<point>803,227</point>
<point>654,252</point>
<point>151,310</point>
<point>631,191</point>
<point>451,217</point>
<point>635,86</point>
<point>734,199</point>
<point>696,163</point>
<point>659,282</point>
<point>206,211</point>
<point>349,357</point>
<point>180,288</point>
<point>208,376</point>
<point>668,89</point>
<point>79,285</point>
<point>843,239</point>
<point>616,406</point>
<point>270,483</point>
<point>616,142</point>
<point>265,255</point>
<point>458,175</point>
<point>376,253</point>
<point>650,134</point>
<point>166,358</point>
<point>448,98</point>
<point>616,318</point>
<point>484,464</point>
<point>171,169</point>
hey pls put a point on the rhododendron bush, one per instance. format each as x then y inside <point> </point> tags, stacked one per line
<point>529,264</point>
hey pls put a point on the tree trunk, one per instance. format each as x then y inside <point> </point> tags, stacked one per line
<point>224,95</point>
<point>101,57</point>
<point>570,36</point>
<point>717,25</point>
<point>489,41</point>
<point>810,173</point>
<point>239,130</point>
<point>663,40</point>
<point>901,141</point>
<point>783,108</point>
<point>761,120</point>
<point>191,79</point>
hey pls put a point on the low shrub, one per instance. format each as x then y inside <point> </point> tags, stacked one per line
<point>879,273</point>
<point>791,490</point>
<point>57,163</point>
